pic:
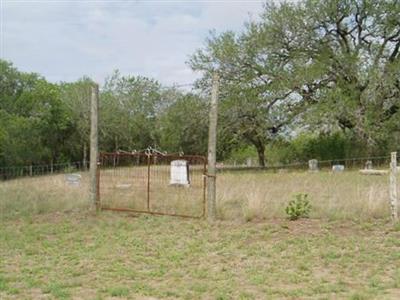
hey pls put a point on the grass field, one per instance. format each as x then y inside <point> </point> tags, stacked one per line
<point>240,195</point>
<point>53,247</point>
<point>264,195</point>
<point>122,256</point>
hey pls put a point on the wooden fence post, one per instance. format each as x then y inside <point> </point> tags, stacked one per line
<point>393,187</point>
<point>94,104</point>
<point>212,145</point>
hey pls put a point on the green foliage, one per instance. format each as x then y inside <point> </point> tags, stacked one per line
<point>306,146</point>
<point>299,207</point>
<point>183,125</point>
<point>129,112</point>
<point>43,123</point>
<point>314,65</point>
<point>308,79</point>
<point>76,97</point>
<point>33,119</point>
<point>241,154</point>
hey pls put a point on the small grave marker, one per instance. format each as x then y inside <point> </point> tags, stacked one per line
<point>179,173</point>
<point>368,165</point>
<point>313,165</point>
<point>338,168</point>
<point>73,179</point>
<point>249,162</point>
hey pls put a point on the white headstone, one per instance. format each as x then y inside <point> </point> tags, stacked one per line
<point>368,165</point>
<point>249,162</point>
<point>179,172</point>
<point>313,165</point>
<point>73,179</point>
<point>338,168</point>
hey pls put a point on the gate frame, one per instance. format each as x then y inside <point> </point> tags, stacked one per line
<point>150,155</point>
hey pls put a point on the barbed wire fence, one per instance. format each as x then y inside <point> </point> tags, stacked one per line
<point>353,187</point>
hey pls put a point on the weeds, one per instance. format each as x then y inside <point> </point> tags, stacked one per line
<point>299,207</point>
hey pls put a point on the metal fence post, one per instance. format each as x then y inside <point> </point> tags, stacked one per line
<point>148,181</point>
<point>94,146</point>
<point>393,187</point>
<point>212,143</point>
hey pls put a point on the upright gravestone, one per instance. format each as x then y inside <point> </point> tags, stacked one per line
<point>368,165</point>
<point>73,179</point>
<point>337,168</point>
<point>179,173</point>
<point>313,165</point>
<point>249,162</point>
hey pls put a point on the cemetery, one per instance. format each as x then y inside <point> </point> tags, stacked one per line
<point>264,164</point>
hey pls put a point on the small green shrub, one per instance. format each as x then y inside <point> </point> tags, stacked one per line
<point>299,207</point>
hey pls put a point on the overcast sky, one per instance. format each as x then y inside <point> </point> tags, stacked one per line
<point>64,40</point>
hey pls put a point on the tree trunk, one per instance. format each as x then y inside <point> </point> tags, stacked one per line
<point>84,161</point>
<point>260,148</point>
<point>261,154</point>
<point>116,144</point>
<point>116,157</point>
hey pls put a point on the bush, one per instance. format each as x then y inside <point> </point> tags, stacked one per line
<point>299,207</point>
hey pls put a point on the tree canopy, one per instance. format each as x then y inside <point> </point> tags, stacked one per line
<point>306,79</point>
<point>321,65</point>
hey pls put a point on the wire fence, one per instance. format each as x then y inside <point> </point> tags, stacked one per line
<point>354,188</point>
<point>378,162</point>
<point>14,172</point>
<point>36,189</point>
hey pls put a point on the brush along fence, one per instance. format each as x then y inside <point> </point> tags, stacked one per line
<point>153,183</point>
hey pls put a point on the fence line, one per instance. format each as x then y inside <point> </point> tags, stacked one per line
<point>351,163</point>
<point>14,172</point>
<point>262,194</point>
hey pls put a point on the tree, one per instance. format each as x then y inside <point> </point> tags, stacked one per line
<point>325,65</point>
<point>129,107</point>
<point>183,125</point>
<point>35,120</point>
<point>76,96</point>
<point>261,91</point>
<point>356,46</point>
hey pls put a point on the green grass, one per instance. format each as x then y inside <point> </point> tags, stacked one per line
<point>113,255</point>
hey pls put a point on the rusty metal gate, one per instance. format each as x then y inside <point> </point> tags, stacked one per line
<point>145,183</point>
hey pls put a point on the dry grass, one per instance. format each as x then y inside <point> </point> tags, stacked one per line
<point>241,195</point>
<point>265,195</point>
<point>43,194</point>
<point>127,188</point>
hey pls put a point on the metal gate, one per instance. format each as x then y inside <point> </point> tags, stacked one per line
<point>153,183</point>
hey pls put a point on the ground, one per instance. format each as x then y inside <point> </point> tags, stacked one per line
<point>81,255</point>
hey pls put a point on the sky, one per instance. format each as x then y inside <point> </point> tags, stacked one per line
<point>65,40</point>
